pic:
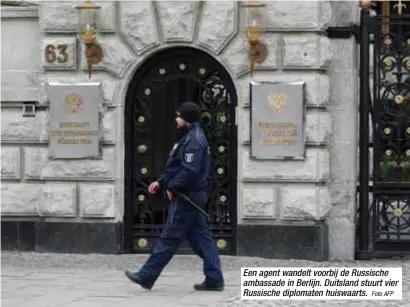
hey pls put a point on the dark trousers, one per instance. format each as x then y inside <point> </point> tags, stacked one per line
<point>183,221</point>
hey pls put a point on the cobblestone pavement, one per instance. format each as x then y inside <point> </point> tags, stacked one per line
<point>71,280</point>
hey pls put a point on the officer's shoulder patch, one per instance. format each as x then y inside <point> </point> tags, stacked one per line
<point>189,157</point>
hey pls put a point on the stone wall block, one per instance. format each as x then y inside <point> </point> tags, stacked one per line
<point>342,233</point>
<point>326,52</point>
<point>315,167</point>
<point>343,161</point>
<point>109,87</point>
<point>108,126</point>
<point>306,51</point>
<point>61,16</point>
<point>18,129</point>
<point>219,24</point>
<point>108,84</point>
<point>305,202</point>
<point>300,51</point>
<point>259,202</point>
<point>57,200</point>
<point>318,126</point>
<point>344,13</point>
<point>20,198</point>
<point>236,54</point>
<point>244,126</point>
<point>117,57</point>
<point>38,166</point>
<point>317,86</point>
<point>20,39</point>
<point>297,15</point>
<point>342,195</point>
<point>344,53</point>
<point>10,162</point>
<point>243,91</point>
<point>177,19</point>
<point>19,86</point>
<point>97,200</point>
<point>138,25</point>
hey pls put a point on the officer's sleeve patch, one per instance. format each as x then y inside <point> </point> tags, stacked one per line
<point>189,157</point>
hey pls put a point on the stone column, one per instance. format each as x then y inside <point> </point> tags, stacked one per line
<point>344,78</point>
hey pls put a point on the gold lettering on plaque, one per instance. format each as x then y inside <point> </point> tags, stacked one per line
<point>277,133</point>
<point>74,133</point>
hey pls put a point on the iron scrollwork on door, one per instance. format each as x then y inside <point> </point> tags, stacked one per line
<point>160,88</point>
<point>216,120</point>
<point>393,111</point>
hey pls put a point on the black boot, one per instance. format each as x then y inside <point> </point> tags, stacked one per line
<point>209,287</point>
<point>135,278</point>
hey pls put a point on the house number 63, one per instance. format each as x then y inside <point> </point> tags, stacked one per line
<point>56,53</point>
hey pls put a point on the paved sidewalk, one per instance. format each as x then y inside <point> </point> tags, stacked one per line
<point>70,280</point>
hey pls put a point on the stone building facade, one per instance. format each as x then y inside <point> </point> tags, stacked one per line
<point>286,209</point>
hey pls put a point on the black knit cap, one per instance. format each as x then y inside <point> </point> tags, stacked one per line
<point>189,111</point>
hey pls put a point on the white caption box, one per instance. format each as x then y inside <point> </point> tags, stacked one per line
<point>321,283</point>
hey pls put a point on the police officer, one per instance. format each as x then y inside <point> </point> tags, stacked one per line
<point>188,170</point>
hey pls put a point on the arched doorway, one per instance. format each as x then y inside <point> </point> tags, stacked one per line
<point>163,81</point>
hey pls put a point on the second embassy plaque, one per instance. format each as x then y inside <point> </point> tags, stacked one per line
<point>277,120</point>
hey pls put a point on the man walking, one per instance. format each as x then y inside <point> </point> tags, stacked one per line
<point>188,170</point>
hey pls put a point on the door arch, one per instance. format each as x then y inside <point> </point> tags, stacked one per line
<point>165,80</point>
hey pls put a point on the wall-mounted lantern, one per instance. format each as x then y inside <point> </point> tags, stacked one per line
<point>88,25</point>
<point>253,23</point>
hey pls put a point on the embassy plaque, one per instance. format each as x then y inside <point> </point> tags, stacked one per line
<point>74,120</point>
<point>277,120</point>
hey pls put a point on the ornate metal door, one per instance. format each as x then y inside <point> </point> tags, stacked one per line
<point>160,85</point>
<point>384,213</point>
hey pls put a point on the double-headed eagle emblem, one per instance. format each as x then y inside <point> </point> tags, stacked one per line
<point>73,101</point>
<point>277,101</point>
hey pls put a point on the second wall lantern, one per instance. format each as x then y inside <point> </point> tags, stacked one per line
<point>254,22</point>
